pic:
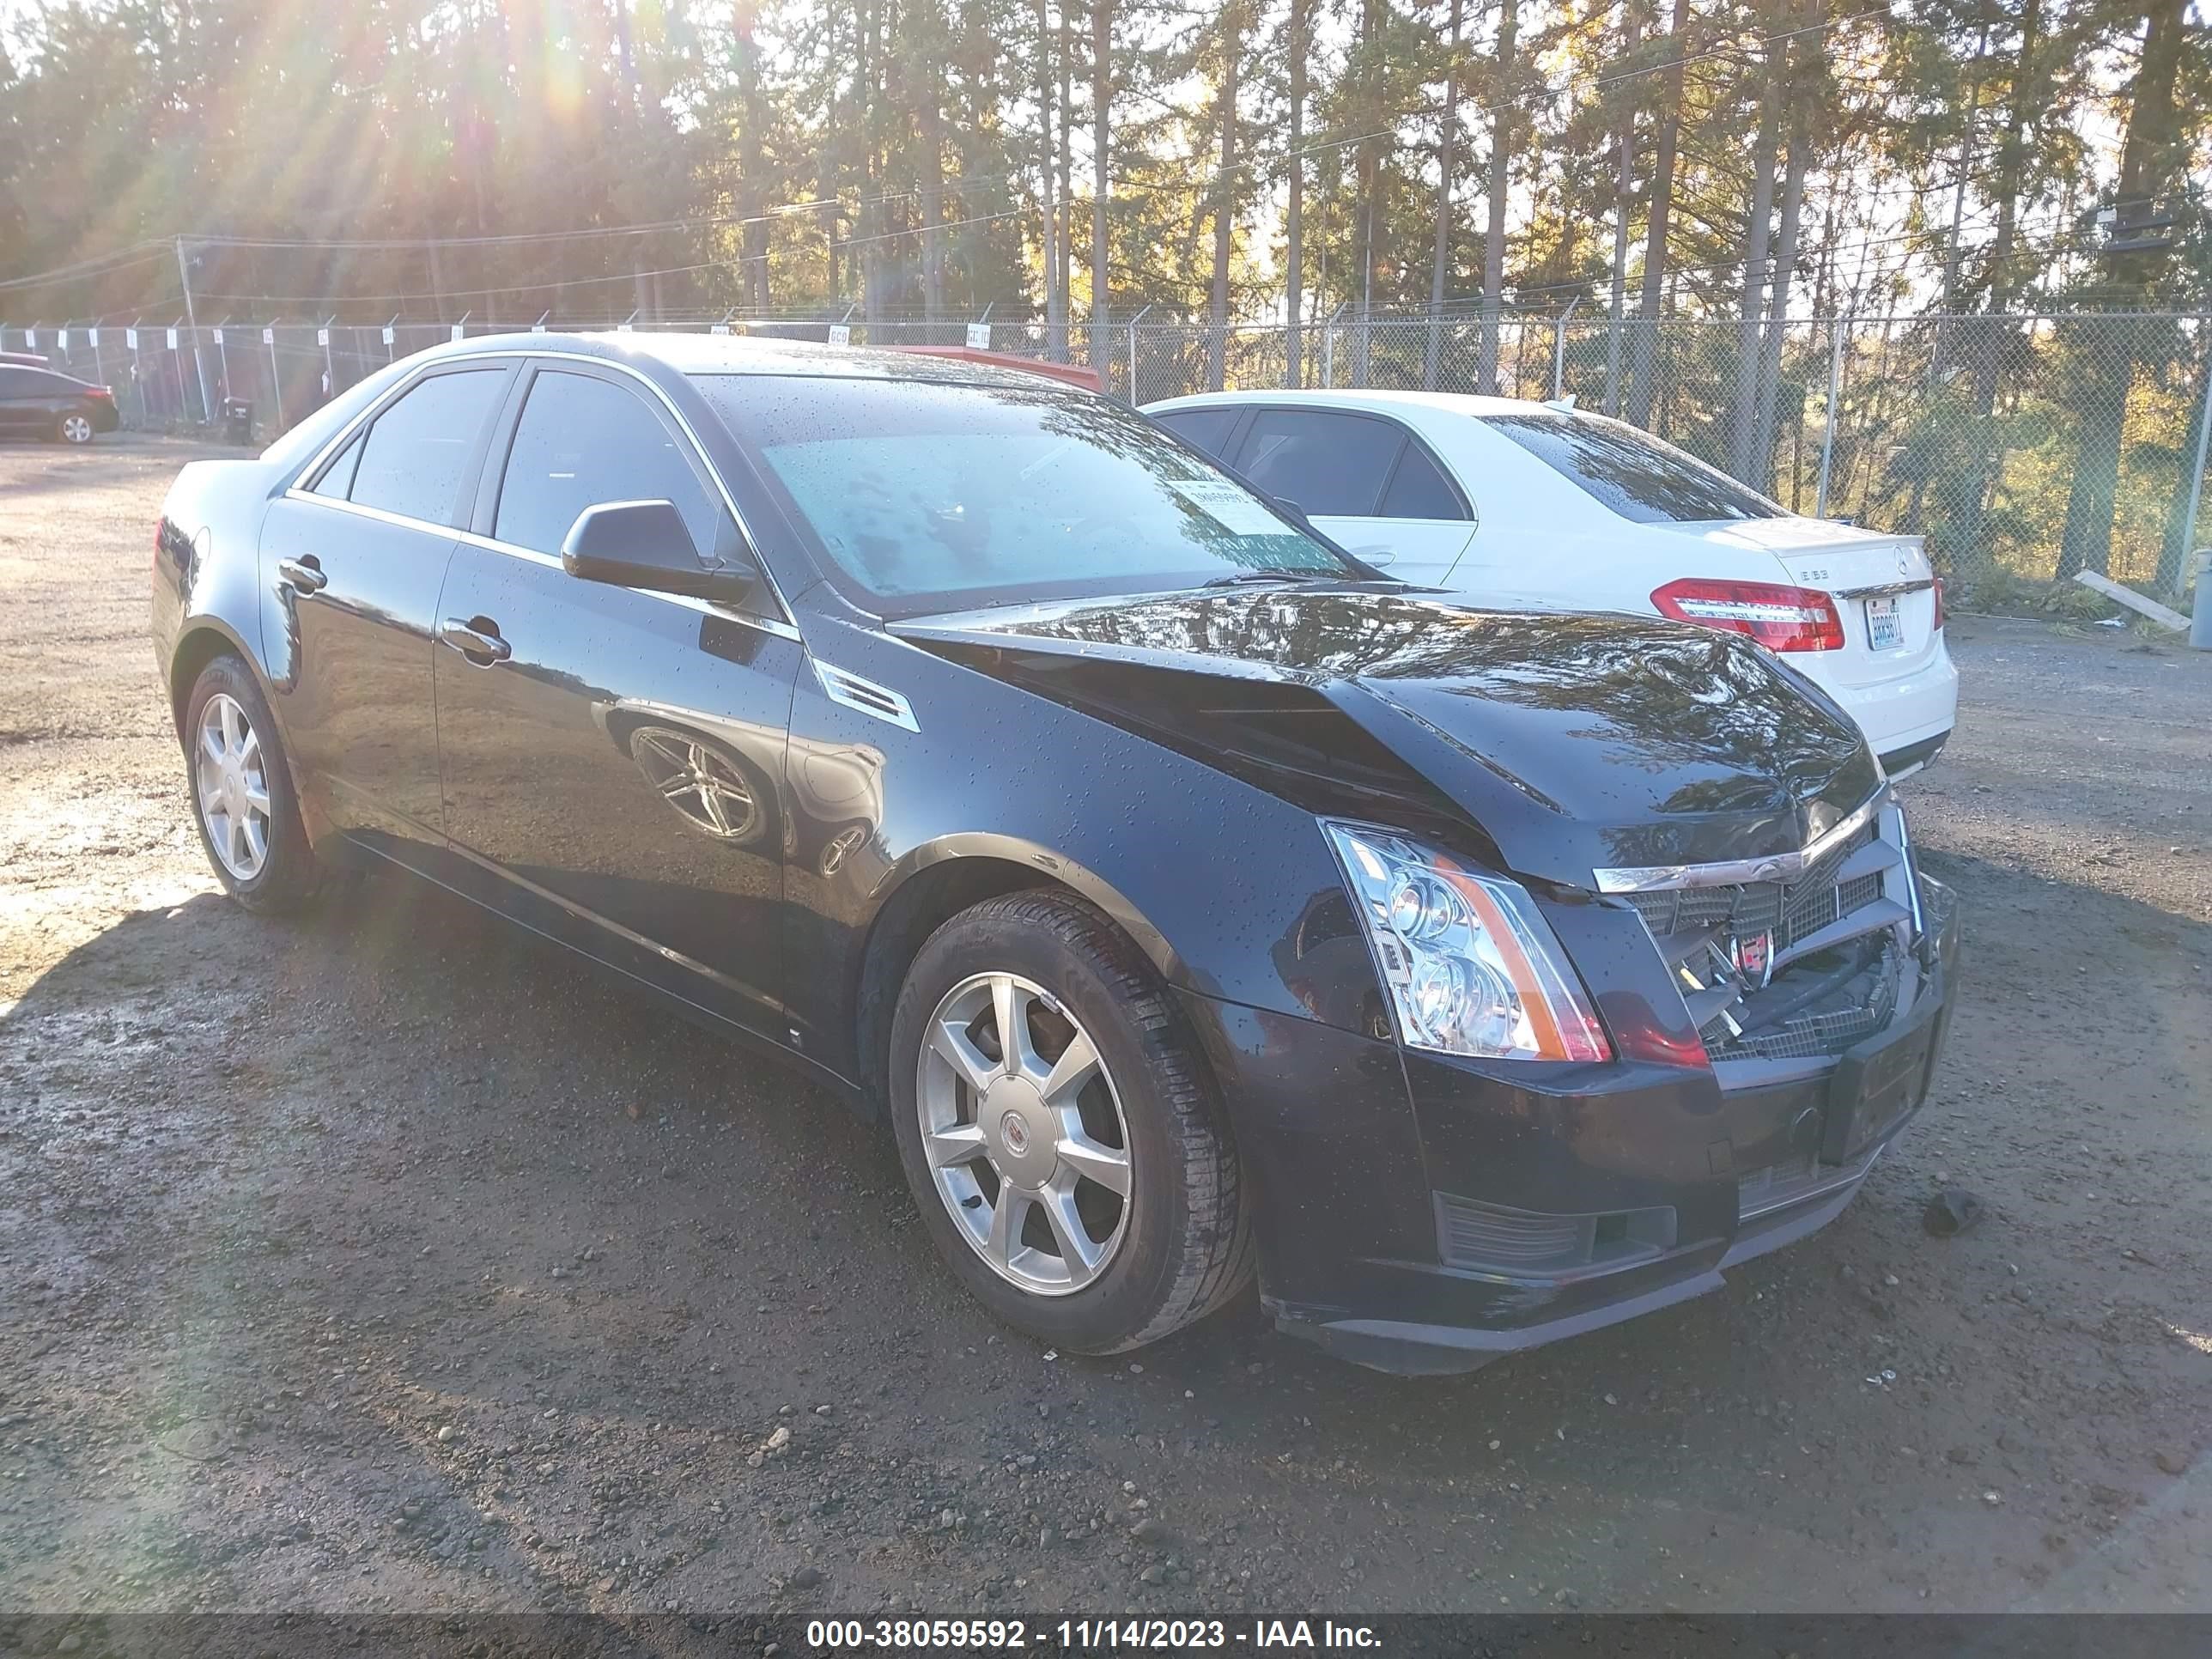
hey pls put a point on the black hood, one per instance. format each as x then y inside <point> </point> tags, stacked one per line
<point>1573,742</point>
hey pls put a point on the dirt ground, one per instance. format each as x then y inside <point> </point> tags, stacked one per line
<point>388,1260</point>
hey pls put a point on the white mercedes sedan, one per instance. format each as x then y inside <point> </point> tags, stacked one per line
<point>1507,501</point>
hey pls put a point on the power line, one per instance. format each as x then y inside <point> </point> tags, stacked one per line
<point>122,258</point>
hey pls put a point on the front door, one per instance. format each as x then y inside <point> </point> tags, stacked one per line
<point>614,759</point>
<point>351,563</point>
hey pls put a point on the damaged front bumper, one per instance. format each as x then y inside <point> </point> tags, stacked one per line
<point>1561,1200</point>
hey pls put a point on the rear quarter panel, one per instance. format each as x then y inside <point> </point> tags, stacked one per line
<point>206,577</point>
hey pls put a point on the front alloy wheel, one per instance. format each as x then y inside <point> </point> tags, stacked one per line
<point>1024,1132</point>
<point>1059,1130</point>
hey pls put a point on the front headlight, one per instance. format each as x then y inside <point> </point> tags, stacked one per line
<point>1471,965</point>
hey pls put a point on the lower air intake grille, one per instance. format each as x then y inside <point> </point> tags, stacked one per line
<point>1472,1234</point>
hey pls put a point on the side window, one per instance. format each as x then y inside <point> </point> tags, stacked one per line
<point>1419,490</point>
<point>19,382</point>
<point>1331,465</point>
<point>337,481</point>
<point>1203,428</point>
<point>417,451</point>
<point>582,441</point>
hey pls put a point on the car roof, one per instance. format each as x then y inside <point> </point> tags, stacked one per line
<point>750,354</point>
<point>1379,399</point>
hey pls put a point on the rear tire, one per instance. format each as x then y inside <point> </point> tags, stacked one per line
<point>75,426</point>
<point>1073,1268</point>
<point>241,794</point>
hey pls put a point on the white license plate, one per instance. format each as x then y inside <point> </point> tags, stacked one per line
<point>1885,627</point>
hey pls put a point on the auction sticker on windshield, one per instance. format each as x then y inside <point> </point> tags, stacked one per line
<point>1229,507</point>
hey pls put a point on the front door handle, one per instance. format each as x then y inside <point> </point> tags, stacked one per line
<point>306,574</point>
<point>477,639</point>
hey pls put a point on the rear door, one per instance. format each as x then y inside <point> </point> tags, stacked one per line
<point>352,558</point>
<point>1364,480</point>
<point>613,758</point>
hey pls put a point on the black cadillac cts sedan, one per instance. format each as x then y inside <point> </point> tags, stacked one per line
<point>1190,900</point>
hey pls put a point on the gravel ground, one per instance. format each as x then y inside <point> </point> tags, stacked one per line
<point>388,1261</point>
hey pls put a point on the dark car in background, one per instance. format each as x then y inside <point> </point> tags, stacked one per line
<point>1185,897</point>
<point>44,402</point>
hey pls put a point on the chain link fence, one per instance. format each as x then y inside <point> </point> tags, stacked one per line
<point>2027,446</point>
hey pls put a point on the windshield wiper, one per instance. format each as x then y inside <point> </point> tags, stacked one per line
<point>1237,578</point>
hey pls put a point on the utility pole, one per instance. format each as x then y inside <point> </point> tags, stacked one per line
<point>193,322</point>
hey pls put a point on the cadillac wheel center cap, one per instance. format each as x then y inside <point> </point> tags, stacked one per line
<point>1015,1133</point>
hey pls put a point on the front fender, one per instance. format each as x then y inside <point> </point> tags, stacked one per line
<point>1058,867</point>
<point>1231,892</point>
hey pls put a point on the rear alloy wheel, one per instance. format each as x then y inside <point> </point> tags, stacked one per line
<point>242,791</point>
<point>1071,1162</point>
<point>76,427</point>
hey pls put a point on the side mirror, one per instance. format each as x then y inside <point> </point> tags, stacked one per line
<point>1290,510</point>
<point>648,544</point>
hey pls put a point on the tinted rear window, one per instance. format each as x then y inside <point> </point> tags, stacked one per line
<point>1206,428</point>
<point>1331,465</point>
<point>1631,472</point>
<point>419,449</point>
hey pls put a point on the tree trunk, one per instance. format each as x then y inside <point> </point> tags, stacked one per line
<point>1750,343</point>
<point>1102,105</point>
<point>1501,160</point>
<point>1447,153</point>
<point>1065,208</point>
<point>1367,183</point>
<point>1969,548</point>
<point>1643,388</point>
<point>2148,160</point>
<point>872,209</point>
<point>1623,189</point>
<point>752,236</point>
<point>1761,473</point>
<point>1294,205</point>
<point>1232,49</point>
<point>929,137</point>
<point>1056,320</point>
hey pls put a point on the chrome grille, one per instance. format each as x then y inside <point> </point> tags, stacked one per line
<point>1791,912</point>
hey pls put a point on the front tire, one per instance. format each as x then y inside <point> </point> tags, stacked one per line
<point>1081,1181</point>
<point>241,793</point>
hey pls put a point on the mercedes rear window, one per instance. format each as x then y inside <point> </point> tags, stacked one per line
<point>1631,472</point>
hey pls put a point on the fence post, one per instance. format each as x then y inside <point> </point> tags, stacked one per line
<point>1133,321</point>
<point>2196,493</point>
<point>276,374</point>
<point>1559,350</point>
<point>1329,347</point>
<point>1835,397</point>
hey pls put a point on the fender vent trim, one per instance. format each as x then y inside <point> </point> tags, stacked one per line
<point>852,691</point>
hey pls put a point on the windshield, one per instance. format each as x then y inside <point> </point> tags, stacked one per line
<point>1631,472</point>
<point>928,497</point>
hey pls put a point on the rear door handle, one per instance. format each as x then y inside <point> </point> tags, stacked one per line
<point>306,574</point>
<point>477,639</point>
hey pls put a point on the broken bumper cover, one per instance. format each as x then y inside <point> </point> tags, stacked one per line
<point>1561,1205</point>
